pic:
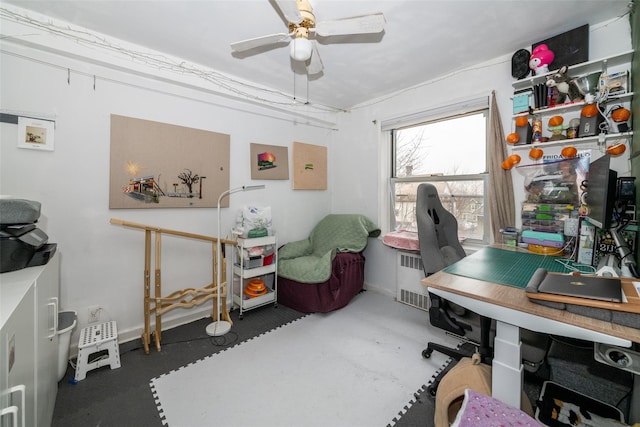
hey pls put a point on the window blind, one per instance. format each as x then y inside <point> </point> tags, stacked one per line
<point>458,108</point>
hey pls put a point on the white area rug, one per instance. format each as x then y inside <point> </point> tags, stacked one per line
<point>358,366</point>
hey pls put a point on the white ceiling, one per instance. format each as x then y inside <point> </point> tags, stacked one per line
<point>422,39</point>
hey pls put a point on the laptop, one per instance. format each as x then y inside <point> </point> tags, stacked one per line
<point>592,287</point>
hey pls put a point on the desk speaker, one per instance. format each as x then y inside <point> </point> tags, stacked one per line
<point>590,126</point>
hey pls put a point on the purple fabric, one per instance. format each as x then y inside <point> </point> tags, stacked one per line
<point>479,410</point>
<point>347,279</point>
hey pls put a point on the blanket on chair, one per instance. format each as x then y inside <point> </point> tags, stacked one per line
<point>309,260</point>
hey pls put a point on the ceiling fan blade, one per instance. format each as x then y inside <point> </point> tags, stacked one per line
<point>367,24</point>
<point>315,63</point>
<point>243,45</point>
<point>289,9</point>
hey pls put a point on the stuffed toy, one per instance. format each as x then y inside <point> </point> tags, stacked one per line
<point>540,59</point>
<point>567,88</point>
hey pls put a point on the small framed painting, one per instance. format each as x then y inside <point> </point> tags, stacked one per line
<point>269,162</point>
<point>36,134</point>
<point>309,167</point>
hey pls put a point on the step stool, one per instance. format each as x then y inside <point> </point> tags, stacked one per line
<point>94,339</point>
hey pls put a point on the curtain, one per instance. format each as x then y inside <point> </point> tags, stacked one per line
<point>501,200</point>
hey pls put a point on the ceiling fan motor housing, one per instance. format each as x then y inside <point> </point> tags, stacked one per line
<point>308,18</point>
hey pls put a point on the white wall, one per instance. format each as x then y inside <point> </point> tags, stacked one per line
<point>359,137</point>
<point>102,264</point>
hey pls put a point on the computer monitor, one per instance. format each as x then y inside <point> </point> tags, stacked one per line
<point>601,192</point>
<point>601,198</point>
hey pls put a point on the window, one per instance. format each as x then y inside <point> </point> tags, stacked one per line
<point>449,151</point>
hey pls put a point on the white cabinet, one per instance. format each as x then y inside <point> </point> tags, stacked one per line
<point>29,343</point>
<point>17,352</point>
<point>47,290</point>
<point>612,64</point>
<point>255,264</point>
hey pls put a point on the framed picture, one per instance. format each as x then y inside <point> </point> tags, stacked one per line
<point>36,134</point>
<point>269,162</point>
<point>309,167</point>
<point>159,165</point>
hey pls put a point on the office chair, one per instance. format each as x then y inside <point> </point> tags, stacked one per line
<point>439,248</point>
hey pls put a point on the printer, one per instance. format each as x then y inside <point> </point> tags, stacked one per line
<point>22,244</point>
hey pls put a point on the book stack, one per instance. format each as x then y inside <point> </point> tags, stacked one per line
<point>543,96</point>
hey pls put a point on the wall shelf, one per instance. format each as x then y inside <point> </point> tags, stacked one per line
<point>578,70</point>
<point>574,106</point>
<point>572,110</point>
<point>574,141</point>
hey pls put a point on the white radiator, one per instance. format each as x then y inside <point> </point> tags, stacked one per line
<point>409,273</point>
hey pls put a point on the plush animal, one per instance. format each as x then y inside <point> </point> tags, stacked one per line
<point>567,88</point>
<point>540,59</point>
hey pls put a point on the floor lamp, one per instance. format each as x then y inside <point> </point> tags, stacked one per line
<point>221,327</point>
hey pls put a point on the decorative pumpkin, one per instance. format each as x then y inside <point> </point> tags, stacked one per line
<point>522,121</point>
<point>514,159</point>
<point>536,153</point>
<point>569,152</point>
<point>620,115</point>
<point>589,110</point>
<point>513,138</point>
<point>556,121</point>
<point>506,164</point>
<point>616,149</point>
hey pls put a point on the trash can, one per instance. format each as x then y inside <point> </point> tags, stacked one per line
<point>66,323</point>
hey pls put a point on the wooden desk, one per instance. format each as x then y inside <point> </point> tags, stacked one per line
<point>512,310</point>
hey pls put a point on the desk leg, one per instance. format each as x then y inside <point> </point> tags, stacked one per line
<point>507,370</point>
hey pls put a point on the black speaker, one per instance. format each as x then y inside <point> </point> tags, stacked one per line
<point>590,126</point>
<point>524,132</point>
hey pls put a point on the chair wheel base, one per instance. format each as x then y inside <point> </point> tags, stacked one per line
<point>426,353</point>
<point>433,389</point>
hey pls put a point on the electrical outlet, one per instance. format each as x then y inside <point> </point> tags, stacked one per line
<point>622,358</point>
<point>94,314</point>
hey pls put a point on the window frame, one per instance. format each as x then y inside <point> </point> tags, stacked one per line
<point>451,112</point>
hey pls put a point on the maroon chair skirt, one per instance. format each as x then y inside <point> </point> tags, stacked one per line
<point>347,279</point>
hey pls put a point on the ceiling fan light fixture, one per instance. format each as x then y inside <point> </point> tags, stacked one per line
<point>300,49</point>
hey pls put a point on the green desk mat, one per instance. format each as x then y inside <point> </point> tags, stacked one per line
<point>505,267</point>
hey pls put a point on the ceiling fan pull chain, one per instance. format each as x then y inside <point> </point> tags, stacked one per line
<point>294,88</point>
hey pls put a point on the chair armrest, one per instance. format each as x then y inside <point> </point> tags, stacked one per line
<point>295,249</point>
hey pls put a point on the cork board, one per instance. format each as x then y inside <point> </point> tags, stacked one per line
<point>269,162</point>
<point>158,165</point>
<point>309,167</point>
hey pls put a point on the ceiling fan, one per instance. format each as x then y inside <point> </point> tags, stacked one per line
<point>302,24</point>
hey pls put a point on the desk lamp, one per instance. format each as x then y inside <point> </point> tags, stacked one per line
<point>221,327</point>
